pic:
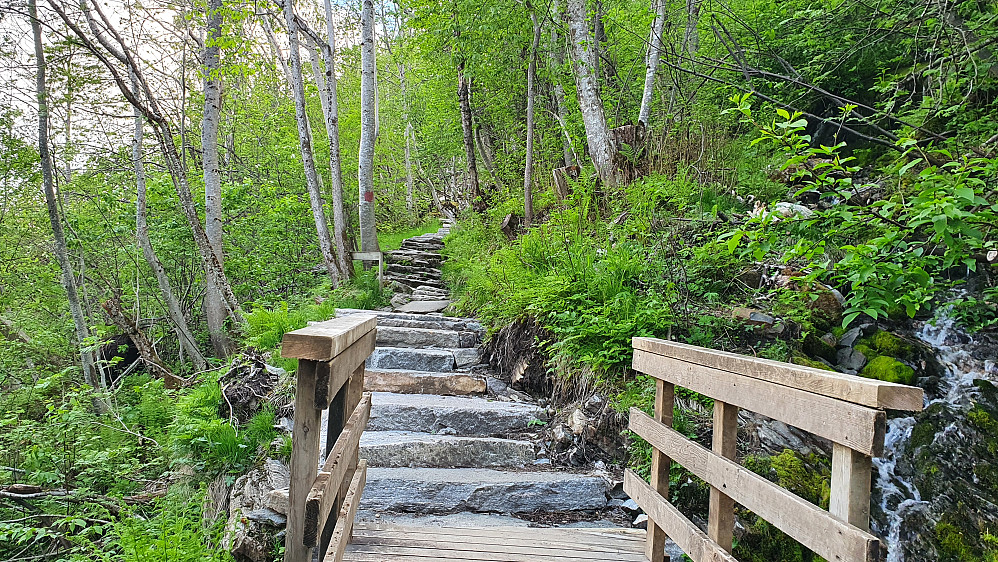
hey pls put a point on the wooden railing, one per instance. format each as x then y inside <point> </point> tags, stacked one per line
<point>847,410</point>
<point>322,501</point>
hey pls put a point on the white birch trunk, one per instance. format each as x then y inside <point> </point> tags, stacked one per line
<point>651,61</point>
<point>177,318</point>
<point>558,62</point>
<point>467,128</point>
<point>601,145</point>
<point>214,305</point>
<point>368,129</point>
<point>55,218</point>
<point>341,231</point>
<point>275,47</point>
<point>307,156</point>
<point>528,196</point>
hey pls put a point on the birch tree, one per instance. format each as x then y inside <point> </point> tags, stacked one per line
<point>528,198</point>
<point>601,145</point>
<point>368,129</point>
<point>177,318</point>
<point>651,60</point>
<point>214,306</point>
<point>557,63</point>
<point>305,142</point>
<point>90,374</point>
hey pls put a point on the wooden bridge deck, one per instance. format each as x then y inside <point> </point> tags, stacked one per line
<point>384,543</point>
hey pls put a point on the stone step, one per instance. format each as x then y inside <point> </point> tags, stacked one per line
<point>449,490</point>
<point>391,336</point>
<point>435,360</point>
<point>395,449</point>
<point>431,322</point>
<point>429,273</point>
<point>414,281</point>
<point>456,415</point>
<point>424,306</point>
<point>402,381</point>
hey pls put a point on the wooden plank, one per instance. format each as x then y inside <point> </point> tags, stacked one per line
<point>858,427</point>
<point>721,512</point>
<point>815,528</point>
<point>326,485</point>
<point>850,388</point>
<point>556,541</point>
<point>304,460</point>
<point>342,367</point>
<point>850,491</point>
<point>324,340</point>
<point>367,256</point>
<point>430,542</point>
<point>538,534</point>
<point>392,553</point>
<point>347,513</point>
<point>665,400</point>
<point>694,542</point>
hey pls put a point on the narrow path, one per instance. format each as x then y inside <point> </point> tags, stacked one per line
<point>448,444</point>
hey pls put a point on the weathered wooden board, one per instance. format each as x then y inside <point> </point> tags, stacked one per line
<point>341,368</point>
<point>506,544</point>
<point>694,542</point>
<point>850,388</point>
<point>849,499</point>
<point>661,465</point>
<point>721,510</point>
<point>858,427</point>
<point>344,521</point>
<point>304,460</point>
<point>324,340</point>
<point>829,537</point>
<point>326,485</point>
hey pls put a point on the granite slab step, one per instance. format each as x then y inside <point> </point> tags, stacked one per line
<point>450,490</point>
<point>404,381</point>
<point>456,415</point>
<point>396,449</point>
<point>392,336</point>
<point>433,360</point>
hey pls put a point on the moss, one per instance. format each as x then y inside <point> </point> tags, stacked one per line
<point>816,347</point>
<point>808,362</point>
<point>887,343</point>
<point>953,544</point>
<point>983,420</point>
<point>922,434</point>
<point>866,350</point>
<point>888,369</point>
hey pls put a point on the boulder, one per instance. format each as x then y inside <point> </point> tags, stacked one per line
<point>250,539</point>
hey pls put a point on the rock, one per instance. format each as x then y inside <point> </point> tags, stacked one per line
<point>830,339</point>
<point>422,307</point>
<point>617,490</point>
<point>828,306</point>
<point>631,505</point>
<point>247,539</point>
<point>640,522</point>
<point>542,462</point>
<point>578,422</point>
<point>850,337</point>
<point>751,278</point>
<point>400,299</point>
<point>285,425</point>
<point>267,517</point>
<point>466,357</point>
<point>277,500</point>
<point>790,209</point>
<point>888,369</point>
<point>615,503</point>
<point>751,316</point>
<point>850,358</point>
<point>435,490</point>
<point>561,437</point>
<point>818,348</point>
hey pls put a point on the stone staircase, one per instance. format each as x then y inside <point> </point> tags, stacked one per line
<point>414,270</point>
<point>445,437</point>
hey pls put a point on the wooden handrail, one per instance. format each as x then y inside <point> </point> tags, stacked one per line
<point>322,502</point>
<point>846,409</point>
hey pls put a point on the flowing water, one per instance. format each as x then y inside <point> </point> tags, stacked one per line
<point>899,498</point>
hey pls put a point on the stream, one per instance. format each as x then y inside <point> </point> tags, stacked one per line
<point>905,513</point>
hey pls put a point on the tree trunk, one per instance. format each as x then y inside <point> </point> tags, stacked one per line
<point>651,62</point>
<point>601,147</point>
<point>55,218</point>
<point>368,129</point>
<point>486,155</point>
<point>272,40</point>
<point>305,140</point>
<point>409,182</point>
<point>145,347</point>
<point>464,96</point>
<point>177,318</point>
<point>691,37</point>
<point>528,196</point>
<point>214,305</point>
<point>558,62</point>
<point>341,230</point>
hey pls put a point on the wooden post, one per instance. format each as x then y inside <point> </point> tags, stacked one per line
<point>850,494</point>
<point>721,516</point>
<point>304,460</point>
<point>665,397</point>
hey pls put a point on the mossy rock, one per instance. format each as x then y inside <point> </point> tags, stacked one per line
<point>886,343</point>
<point>808,362</point>
<point>888,369</point>
<point>814,346</point>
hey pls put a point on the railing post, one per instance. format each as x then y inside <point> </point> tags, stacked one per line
<point>665,399</point>
<point>849,499</point>
<point>304,458</point>
<point>721,513</point>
